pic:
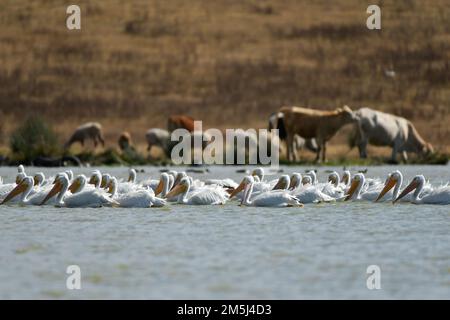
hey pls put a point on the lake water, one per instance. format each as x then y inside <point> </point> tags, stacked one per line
<point>228,252</point>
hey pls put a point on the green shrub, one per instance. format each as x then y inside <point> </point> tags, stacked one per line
<point>32,139</point>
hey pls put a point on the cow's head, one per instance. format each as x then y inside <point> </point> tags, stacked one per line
<point>427,149</point>
<point>347,113</point>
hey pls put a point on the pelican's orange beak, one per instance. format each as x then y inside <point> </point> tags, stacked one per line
<point>159,188</point>
<point>345,179</point>
<point>280,185</point>
<point>388,186</point>
<point>93,180</point>
<point>413,185</point>
<point>56,188</point>
<point>292,184</point>
<point>352,190</point>
<point>240,187</point>
<point>176,191</point>
<point>21,187</point>
<point>75,186</point>
<point>103,184</point>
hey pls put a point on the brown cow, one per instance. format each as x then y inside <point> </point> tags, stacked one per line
<point>125,140</point>
<point>180,122</point>
<point>311,123</point>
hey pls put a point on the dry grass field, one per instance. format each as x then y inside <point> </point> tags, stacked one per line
<point>229,63</point>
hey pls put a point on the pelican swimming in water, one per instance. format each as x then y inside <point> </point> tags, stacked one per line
<point>92,198</point>
<point>305,191</point>
<point>139,198</point>
<point>439,195</point>
<point>208,195</point>
<point>359,190</point>
<point>30,196</point>
<point>272,198</point>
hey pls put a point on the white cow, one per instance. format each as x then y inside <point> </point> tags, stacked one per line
<point>384,129</point>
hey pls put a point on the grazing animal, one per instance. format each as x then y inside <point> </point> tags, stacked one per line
<point>384,129</point>
<point>276,121</point>
<point>180,122</point>
<point>125,141</point>
<point>90,130</point>
<point>311,123</point>
<point>159,138</point>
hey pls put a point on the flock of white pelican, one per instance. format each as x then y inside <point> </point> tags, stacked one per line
<point>99,190</point>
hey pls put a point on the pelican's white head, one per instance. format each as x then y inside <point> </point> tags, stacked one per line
<point>181,188</point>
<point>24,187</point>
<point>39,179</point>
<point>96,178</point>
<point>246,181</point>
<point>346,178</point>
<point>283,183</point>
<point>132,175</point>
<point>69,174</point>
<point>296,180</point>
<point>334,178</point>
<point>20,177</point>
<point>306,180</point>
<point>356,186</point>
<point>78,184</point>
<point>163,185</point>
<point>395,178</point>
<point>112,186</point>
<point>60,187</point>
<point>416,183</point>
<point>258,172</point>
<point>20,169</point>
<point>105,180</point>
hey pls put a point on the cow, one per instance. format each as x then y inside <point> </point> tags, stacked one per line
<point>125,141</point>
<point>180,122</point>
<point>276,121</point>
<point>162,138</point>
<point>90,130</point>
<point>384,129</point>
<point>159,138</point>
<point>311,123</point>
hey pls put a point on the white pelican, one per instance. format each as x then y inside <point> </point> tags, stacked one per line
<point>283,183</point>
<point>308,193</point>
<point>359,190</point>
<point>395,179</point>
<point>87,198</point>
<point>439,195</point>
<point>96,179</point>
<point>274,198</point>
<point>30,196</point>
<point>141,198</point>
<point>258,187</point>
<point>346,178</point>
<point>7,187</point>
<point>211,195</point>
<point>334,188</point>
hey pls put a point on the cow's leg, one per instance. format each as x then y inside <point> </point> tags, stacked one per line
<point>289,147</point>
<point>324,152</point>
<point>100,138</point>
<point>362,146</point>
<point>82,142</point>
<point>394,153</point>
<point>95,142</point>
<point>295,147</point>
<point>319,149</point>
<point>405,156</point>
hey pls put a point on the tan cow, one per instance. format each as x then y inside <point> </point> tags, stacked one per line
<point>90,130</point>
<point>311,123</point>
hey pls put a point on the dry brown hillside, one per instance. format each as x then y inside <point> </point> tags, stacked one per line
<point>228,62</point>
